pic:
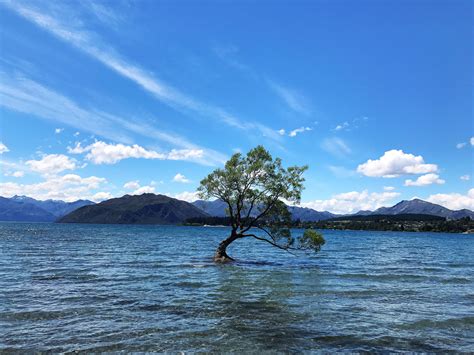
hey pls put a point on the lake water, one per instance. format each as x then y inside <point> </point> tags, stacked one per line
<point>155,288</point>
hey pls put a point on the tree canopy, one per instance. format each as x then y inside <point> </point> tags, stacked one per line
<point>255,188</point>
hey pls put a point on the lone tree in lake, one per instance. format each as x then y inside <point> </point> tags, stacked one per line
<point>254,187</point>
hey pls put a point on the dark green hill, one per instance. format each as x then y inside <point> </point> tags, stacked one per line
<point>139,209</point>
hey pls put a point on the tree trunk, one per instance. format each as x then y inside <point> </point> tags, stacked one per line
<point>221,256</point>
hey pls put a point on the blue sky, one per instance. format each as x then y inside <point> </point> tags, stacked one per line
<point>99,99</point>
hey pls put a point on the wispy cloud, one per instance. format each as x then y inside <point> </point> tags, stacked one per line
<point>90,43</point>
<point>24,95</point>
<point>295,101</point>
<point>336,146</point>
<point>296,131</point>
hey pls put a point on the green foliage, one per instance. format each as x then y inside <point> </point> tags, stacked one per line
<point>311,240</point>
<point>254,187</point>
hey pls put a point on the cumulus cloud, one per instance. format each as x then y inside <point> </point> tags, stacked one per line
<point>132,185</point>
<point>282,132</point>
<point>144,190</point>
<point>17,174</point>
<point>52,164</point>
<point>181,178</point>
<point>186,196</point>
<point>101,196</point>
<point>388,188</point>
<point>424,180</point>
<point>58,130</point>
<point>454,201</point>
<point>70,187</point>
<point>465,177</point>
<point>471,141</point>
<point>395,163</point>
<point>296,131</point>
<point>104,153</point>
<point>351,202</point>
<point>3,148</point>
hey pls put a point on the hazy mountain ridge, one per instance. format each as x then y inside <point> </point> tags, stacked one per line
<point>417,206</point>
<point>27,209</point>
<point>151,208</point>
<point>217,208</point>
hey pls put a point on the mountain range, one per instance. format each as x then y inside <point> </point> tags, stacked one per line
<point>217,208</point>
<point>137,209</point>
<point>417,206</point>
<point>160,209</point>
<point>27,209</point>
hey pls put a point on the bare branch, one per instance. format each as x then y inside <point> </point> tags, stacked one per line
<point>287,249</point>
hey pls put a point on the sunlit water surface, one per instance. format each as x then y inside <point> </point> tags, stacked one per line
<point>154,288</point>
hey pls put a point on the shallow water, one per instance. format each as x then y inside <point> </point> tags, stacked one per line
<point>154,288</point>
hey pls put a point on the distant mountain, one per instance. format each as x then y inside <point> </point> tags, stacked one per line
<point>305,214</point>
<point>139,209</point>
<point>27,209</point>
<point>23,211</point>
<point>56,207</point>
<point>417,206</point>
<point>217,208</point>
<point>214,208</point>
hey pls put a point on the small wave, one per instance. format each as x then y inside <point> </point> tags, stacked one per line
<point>463,322</point>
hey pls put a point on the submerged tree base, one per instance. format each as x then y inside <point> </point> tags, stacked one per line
<point>222,259</point>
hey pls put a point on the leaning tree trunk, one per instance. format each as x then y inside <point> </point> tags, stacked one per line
<point>221,255</point>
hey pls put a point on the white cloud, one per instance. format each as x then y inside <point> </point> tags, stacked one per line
<point>294,132</point>
<point>388,188</point>
<point>463,144</point>
<point>336,146</point>
<point>181,178</point>
<point>58,130</point>
<point>425,180</point>
<point>465,177</point>
<point>18,174</point>
<point>52,164</point>
<point>281,132</point>
<point>72,31</point>
<point>70,187</point>
<point>132,185</point>
<point>454,201</point>
<point>101,196</point>
<point>26,96</point>
<point>104,153</point>
<point>3,148</point>
<point>293,99</point>
<point>395,163</point>
<point>186,196</point>
<point>342,126</point>
<point>351,202</point>
<point>144,190</point>
<point>185,154</point>
<point>76,134</point>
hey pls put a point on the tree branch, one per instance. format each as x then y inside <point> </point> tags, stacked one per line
<point>287,249</point>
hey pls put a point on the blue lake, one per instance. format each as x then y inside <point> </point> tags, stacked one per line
<point>155,288</point>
